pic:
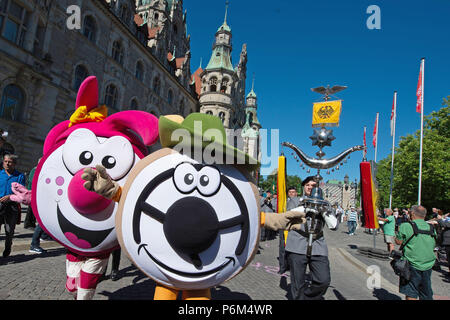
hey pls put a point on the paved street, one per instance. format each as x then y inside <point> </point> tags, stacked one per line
<point>27,276</point>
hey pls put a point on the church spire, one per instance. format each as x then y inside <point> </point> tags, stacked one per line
<point>252,94</point>
<point>226,12</point>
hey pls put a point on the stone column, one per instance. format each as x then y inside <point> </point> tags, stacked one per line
<point>31,30</point>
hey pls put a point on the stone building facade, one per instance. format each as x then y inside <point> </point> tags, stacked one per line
<point>344,193</point>
<point>138,49</point>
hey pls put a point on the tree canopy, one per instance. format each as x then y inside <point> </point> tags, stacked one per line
<point>435,166</point>
<point>270,183</point>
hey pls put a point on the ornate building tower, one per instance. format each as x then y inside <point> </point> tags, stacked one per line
<point>250,131</point>
<point>219,79</point>
<point>222,93</point>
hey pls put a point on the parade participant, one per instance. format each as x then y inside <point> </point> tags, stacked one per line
<point>352,221</point>
<point>418,241</point>
<point>388,229</point>
<point>83,221</point>
<point>189,219</point>
<point>298,258</point>
<point>266,206</point>
<point>9,210</point>
<point>291,203</point>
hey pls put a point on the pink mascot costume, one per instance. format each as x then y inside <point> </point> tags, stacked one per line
<point>78,219</point>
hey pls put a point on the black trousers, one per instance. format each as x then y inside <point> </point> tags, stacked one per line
<point>447,252</point>
<point>8,216</point>
<point>30,220</point>
<point>319,267</point>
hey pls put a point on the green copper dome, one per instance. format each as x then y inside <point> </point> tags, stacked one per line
<point>252,94</point>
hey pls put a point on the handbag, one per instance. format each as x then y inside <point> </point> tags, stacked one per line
<point>401,266</point>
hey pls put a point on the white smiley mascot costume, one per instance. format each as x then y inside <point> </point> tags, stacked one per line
<point>189,214</point>
<point>80,220</point>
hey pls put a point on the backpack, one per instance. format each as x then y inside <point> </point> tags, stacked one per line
<point>401,266</point>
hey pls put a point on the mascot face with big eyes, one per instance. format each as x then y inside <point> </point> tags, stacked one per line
<point>81,220</point>
<point>185,224</point>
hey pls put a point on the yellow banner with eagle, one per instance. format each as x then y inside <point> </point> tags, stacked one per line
<point>326,113</point>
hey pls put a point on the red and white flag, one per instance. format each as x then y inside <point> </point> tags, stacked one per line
<point>375,131</point>
<point>393,113</point>
<point>419,92</point>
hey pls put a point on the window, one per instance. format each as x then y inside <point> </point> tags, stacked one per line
<point>134,105</point>
<point>223,87</point>
<point>111,96</point>
<point>81,73</point>
<point>181,107</point>
<point>12,103</point>
<point>117,52</point>
<point>170,97</point>
<point>139,71</point>
<point>90,28</point>
<point>213,84</point>
<point>209,112</point>
<point>156,85</point>
<point>13,21</point>
<point>222,116</point>
<point>124,14</point>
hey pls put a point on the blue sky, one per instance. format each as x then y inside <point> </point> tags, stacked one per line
<point>294,46</point>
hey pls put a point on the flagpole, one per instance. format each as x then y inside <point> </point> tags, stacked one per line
<point>376,139</point>
<point>393,149</point>
<point>421,131</point>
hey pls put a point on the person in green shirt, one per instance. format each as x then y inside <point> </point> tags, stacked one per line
<point>420,253</point>
<point>388,229</point>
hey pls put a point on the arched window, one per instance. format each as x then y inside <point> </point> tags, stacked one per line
<point>213,84</point>
<point>124,13</point>
<point>111,96</point>
<point>134,105</point>
<point>209,112</point>
<point>223,87</point>
<point>12,103</point>
<point>90,28</point>
<point>222,116</point>
<point>181,107</point>
<point>156,85</point>
<point>170,97</point>
<point>81,73</point>
<point>140,71</point>
<point>117,52</point>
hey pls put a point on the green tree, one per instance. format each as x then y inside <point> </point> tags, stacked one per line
<point>271,180</point>
<point>435,166</point>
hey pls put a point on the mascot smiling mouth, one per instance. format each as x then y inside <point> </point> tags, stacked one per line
<point>190,274</point>
<point>82,238</point>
